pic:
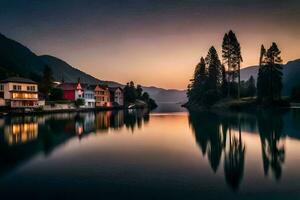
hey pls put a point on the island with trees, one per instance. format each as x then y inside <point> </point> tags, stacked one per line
<point>217,82</point>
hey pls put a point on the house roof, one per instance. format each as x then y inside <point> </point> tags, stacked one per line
<point>89,87</point>
<point>113,89</point>
<point>69,86</point>
<point>104,87</point>
<point>17,80</point>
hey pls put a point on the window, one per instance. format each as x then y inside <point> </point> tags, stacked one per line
<point>31,88</point>
<point>17,87</point>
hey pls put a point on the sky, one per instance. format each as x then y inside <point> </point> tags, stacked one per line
<point>152,42</point>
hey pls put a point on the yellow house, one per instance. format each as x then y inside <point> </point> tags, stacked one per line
<point>19,92</point>
<point>102,96</point>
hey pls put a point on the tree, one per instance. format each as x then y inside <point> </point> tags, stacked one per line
<point>196,87</point>
<point>224,82</point>
<point>269,82</point>
<point>251,90</point>
<point>262,55</point>
<point>47,81</point>
<point>56,94</point>
<point>139,91</point>
<point>231,53</point>
<point>130,92</point>
<point>79,102</point>
<point>205,87</point>
<point>145,96</point>
<point>214,69</point>
<point>212,92</point>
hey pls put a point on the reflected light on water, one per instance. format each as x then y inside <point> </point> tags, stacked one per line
<point>171,155</point>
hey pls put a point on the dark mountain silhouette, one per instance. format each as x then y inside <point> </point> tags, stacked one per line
<point>18,60</point>
<point>62,70</point>
<point>291,74</point>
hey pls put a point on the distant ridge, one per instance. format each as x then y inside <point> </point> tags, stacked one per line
<point>291,74</point>
<point>62,70</point>
<point>18,60</point>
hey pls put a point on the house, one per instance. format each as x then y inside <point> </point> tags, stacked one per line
<point>102,96</point>
<point>116,95</point>
<point>19,92</point>
<point>89,96</point>
<point>72,91</point>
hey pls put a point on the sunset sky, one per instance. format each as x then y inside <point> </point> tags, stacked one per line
<point>153,42</point>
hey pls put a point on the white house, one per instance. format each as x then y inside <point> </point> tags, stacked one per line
<point>89,96</point>
<point>19,92</point>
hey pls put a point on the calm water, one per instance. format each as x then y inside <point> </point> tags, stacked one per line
<point>162,155</point>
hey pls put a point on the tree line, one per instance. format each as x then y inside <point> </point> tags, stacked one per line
<point>216,79</point>
<point>132,94</point>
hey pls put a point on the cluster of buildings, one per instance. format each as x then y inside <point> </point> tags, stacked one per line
<point>93,95</point>
<point>17,92</point>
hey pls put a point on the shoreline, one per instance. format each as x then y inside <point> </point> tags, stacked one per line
<point>241,105</point>
<point>15,112</point>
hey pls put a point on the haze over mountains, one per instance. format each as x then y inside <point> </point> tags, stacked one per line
<point>16,59</point>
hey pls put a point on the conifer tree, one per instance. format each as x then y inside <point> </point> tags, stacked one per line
<point>251,90</point>
<point>196,88</point>
<point>231,53</point>
<point>47,81</point>
<point>214,69</point>
<point>269,82</point>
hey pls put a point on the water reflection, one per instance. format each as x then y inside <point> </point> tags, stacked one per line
<point>26,136</point>
<point>177,153</point>
<point>222,134</point>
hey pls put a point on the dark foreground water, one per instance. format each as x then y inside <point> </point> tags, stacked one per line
<point>137,155</point>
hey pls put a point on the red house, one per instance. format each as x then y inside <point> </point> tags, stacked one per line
<point>72,91</point>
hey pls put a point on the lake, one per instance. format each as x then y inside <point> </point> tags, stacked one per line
<point>165,154</point>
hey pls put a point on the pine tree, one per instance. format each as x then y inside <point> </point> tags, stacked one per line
<point>214,69</point>
<point>262,55</point>
<point>274,62</point>
<point>139,91</point>
<point>196,88</point>
<point>269,82</point>
<point>47,81</point>
<point>251,89</point>
<point>231,53</point>
<point>224,82</point>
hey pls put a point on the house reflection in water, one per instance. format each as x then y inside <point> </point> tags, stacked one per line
<point>20,132</point>
<point>102,121</point>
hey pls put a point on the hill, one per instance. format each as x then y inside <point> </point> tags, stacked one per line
<point>18,60</point>
<point>62,69</point>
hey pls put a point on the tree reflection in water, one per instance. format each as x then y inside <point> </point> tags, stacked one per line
<point>270,127</point>
<point>218,134</point>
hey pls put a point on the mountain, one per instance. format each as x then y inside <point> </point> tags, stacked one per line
<point>18,60</point>
<point>291,74</point>
<point>62,70</point>
<point>168,96</point>
<point>249,71</point>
